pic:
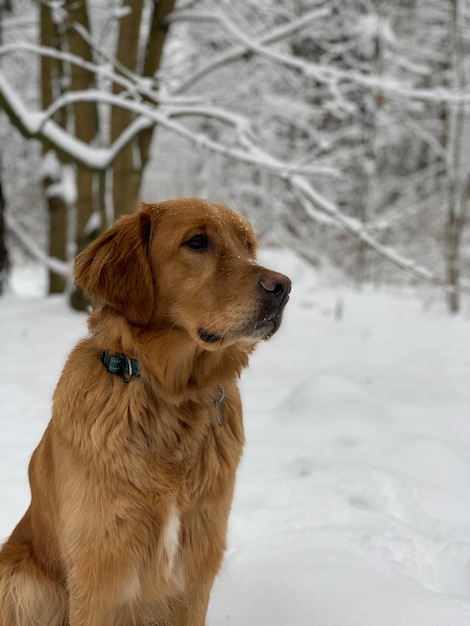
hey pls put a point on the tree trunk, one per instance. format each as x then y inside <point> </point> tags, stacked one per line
<point>457,180</point>
<point>127,169</point>
<point>85,118</point>
<point>453,262</point>
<point>51,71</point>
<point>126,178</point>
<point>58,221</point>
<point>3,249</point>
<point>153,58</point>
<point>86,129</point>
<point>129,166</point>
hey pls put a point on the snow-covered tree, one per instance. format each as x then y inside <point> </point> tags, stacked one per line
<point>335,126</point>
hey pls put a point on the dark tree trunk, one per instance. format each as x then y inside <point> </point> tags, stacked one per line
<point>3,248</point>
<point>51,70</point>
<point>5,7</point>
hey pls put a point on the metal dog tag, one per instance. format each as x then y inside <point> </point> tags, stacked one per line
<point>218,406</point>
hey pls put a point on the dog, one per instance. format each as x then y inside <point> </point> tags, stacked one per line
<point>132,482</point>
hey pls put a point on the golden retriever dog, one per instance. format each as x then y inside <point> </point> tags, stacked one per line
<point>132,482</point>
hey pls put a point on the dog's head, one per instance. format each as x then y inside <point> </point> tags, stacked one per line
<point>186,264</point>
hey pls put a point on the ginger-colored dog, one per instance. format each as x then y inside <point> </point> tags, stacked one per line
<point>133,480</point>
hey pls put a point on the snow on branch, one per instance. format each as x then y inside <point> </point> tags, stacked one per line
<point>327,74</point>
<point>52,263</point>
<point>269,164</point>
<point>238,51</point>
<point>356,228</point>
<point>333,215</point>
<point>150,108</point>
<point>36,125</point>
<point>129,81</point>
<point>39,125</point>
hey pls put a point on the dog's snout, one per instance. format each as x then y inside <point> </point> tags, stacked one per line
<point>275,284</point>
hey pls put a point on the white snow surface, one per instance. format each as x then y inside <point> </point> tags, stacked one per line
<point>352,505</point>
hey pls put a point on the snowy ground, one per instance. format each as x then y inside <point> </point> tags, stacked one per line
<point>353,498</point>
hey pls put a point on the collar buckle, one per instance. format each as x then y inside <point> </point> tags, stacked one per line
<point>121,365</point>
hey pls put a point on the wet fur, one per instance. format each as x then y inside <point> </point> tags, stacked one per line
<point>132,483</point>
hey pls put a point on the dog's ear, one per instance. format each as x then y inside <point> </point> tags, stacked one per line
<point>115,268</point>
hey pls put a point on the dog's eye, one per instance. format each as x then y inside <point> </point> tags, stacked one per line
<point>198,242</point>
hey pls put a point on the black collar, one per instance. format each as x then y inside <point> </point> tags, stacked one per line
<point>128,369</point>
<point>121,365</point>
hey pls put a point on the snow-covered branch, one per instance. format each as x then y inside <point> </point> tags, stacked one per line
<point>235,53</point>
<point>35,126</point>
<point>145,109</point>
<point>55,265</point>
<point>360,131</point>
<point>38,125</point>
<point>132,83</point>
<point>356,228</point>
<point>325,74</point>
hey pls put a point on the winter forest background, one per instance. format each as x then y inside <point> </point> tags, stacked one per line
<point>339,128</point>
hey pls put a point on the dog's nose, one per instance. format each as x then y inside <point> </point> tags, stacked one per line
<point>275,284</point>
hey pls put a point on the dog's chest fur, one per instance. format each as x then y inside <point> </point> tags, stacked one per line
<point>155,452</point>
<point>149,470</point>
